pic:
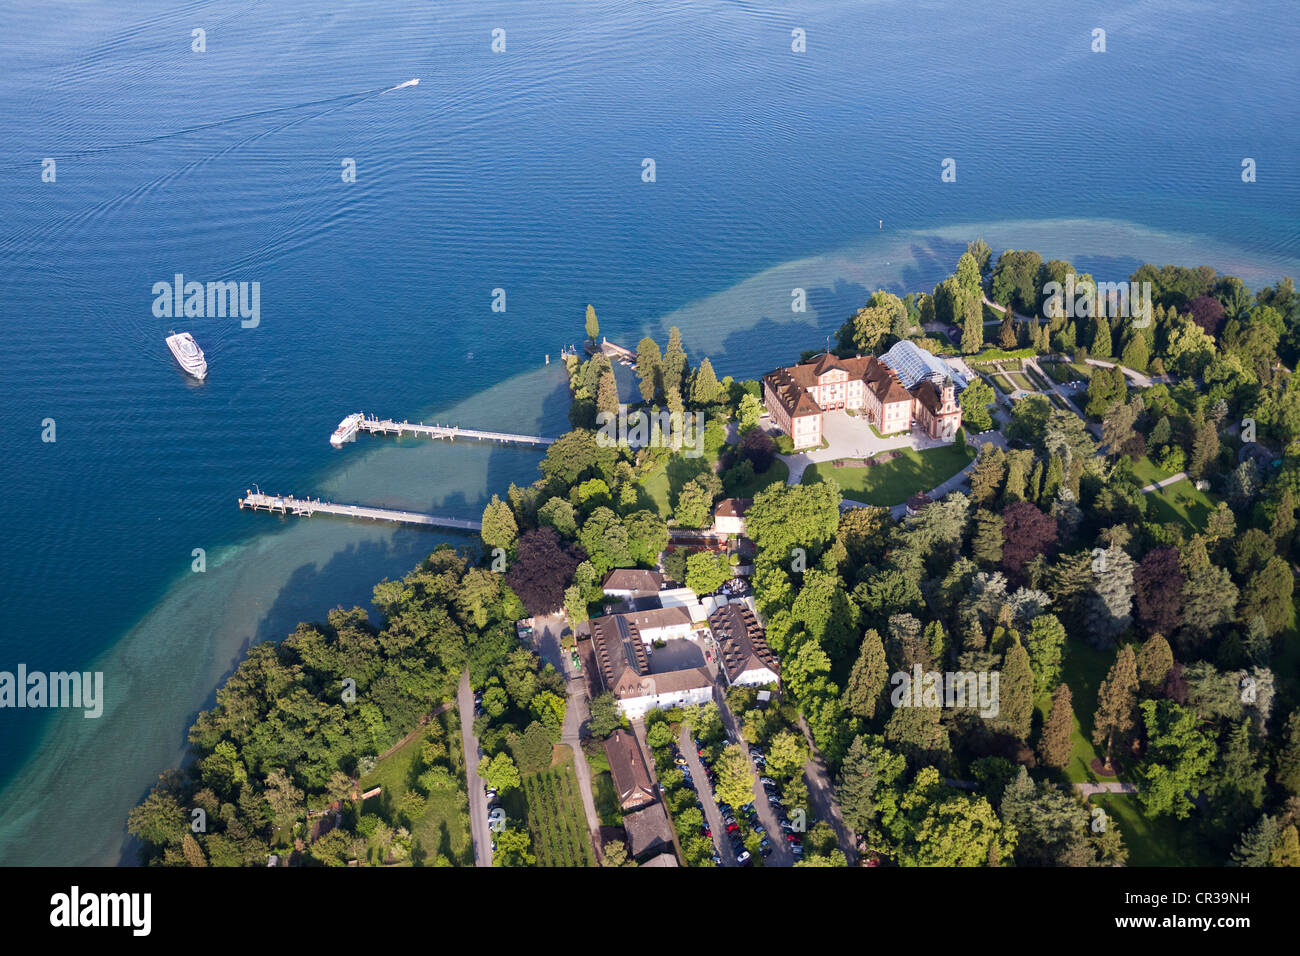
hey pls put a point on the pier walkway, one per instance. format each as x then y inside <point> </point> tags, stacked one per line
<point>615,352</point>
<point>387,426</point>
<point>306,507</point>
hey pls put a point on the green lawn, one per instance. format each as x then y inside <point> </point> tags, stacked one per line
<point>1084,669</point>
<point>444,827</point>
<point>1148,472</point>
<point>1163,841</point>
<point>602,790</point>
<point>1181,502</point>
<point>893,482</point>
<point>661,485</point>
<point>1022,382</point>
<point>775,475</point>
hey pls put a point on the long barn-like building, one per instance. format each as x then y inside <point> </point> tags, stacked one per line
<point>904,388</point>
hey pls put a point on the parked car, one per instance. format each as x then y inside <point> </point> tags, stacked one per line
<point>766,851</point>
<point>704,829</point>
<point>733,827</point>
<point>717,860</point>
<point>680,761</point>
<point>793,838</point>
<point>758,828</point>
<point>786,826</point>
<point>743,857</point>
<point>767,781</point>
<point>489,792</point>
<point>755,752</point>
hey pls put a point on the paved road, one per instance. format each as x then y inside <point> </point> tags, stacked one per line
<point>781,855</point>
<point>822,795</point>
<point>1088,789</point>
<point>711,814</point>
<point>1171,480</point>
<point>478,817</point>
<point>1136,377</point>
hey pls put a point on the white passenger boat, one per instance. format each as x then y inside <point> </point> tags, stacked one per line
<point>188,354</point>
<point>346,431</point>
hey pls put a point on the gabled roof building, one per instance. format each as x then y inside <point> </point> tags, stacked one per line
<point>742,647</point>
<point>906,386</point>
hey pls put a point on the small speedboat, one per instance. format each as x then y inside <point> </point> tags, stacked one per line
<point>188,354</point>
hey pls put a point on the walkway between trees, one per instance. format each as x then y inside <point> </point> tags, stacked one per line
<point>1171,480</point>
<point>822,796</point>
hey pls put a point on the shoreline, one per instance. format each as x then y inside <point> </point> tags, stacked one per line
<point>711,324</point>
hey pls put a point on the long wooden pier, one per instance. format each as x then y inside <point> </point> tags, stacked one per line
<point>387,426</point>
<point>306,507</point>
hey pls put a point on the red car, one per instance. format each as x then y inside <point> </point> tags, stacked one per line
<point>732,828</point>
<point>792,838</point>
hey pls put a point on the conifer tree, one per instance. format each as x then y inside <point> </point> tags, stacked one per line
<point>649,369</point>
<point>988,474</point>
<point>1287,850</point>
<point>1153,663</point>
<point>1007,331</point>
<point>607,394</point>
<point>1256,845</point>
<point>499,526</point>
<point>1016,692</point>
<point>1053,480</point>
<point>1116,718</point>
<point>1135,354</point>
<point>1100,344</point>
<point>593,326</point>
<point>704,385</point>
<point>674,363</point>
<point>1034,490</point>
<point>1054,744</point>
<point>868,679</point>
<point>986,544</point>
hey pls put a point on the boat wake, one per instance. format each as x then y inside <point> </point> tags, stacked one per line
<point>331,103</point>
<point>414,82</point>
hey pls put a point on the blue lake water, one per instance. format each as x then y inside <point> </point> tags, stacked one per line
<point>522,171</point>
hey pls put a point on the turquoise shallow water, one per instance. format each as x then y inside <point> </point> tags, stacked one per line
<point>518,171</point>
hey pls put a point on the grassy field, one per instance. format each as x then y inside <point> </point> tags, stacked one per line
<point>602,790</point>
<point>443,828</point>
<point>775,475</point>
<point>556,819</point>
<point>1020,381</point>
<point>1181,502</point>
<point>1084,669</point>
<point>892,482</point>
<point>1148,472</point>
<point>1163,841</point>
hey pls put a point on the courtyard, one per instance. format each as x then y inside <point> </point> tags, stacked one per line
<point>852,436</point>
